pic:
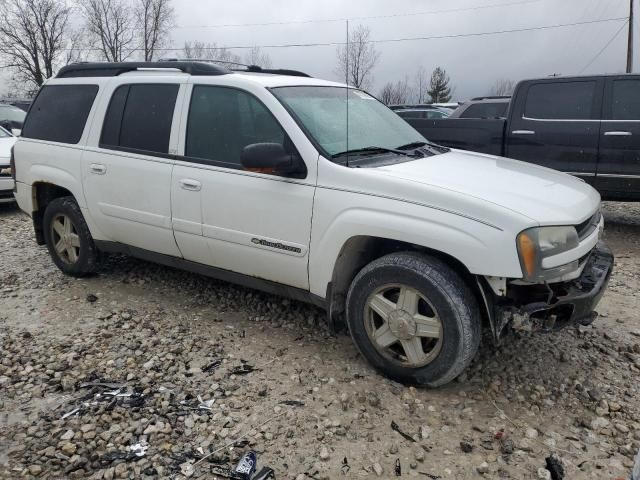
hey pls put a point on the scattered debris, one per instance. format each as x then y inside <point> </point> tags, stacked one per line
<point>265,474</point>
<point>212,366</point>
<point>430,475</point>
<point>292,403</point>
<point>242,369</point>
<point>246,467</point>
<point>555,467</point>
<point>345,466</point>
<point>139,449</point>
<point>406,436</point>
<point>466,446</point>
<point>398,468</point>
<point>91,298</point>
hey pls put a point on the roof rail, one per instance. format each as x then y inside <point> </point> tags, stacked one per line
<point>107,69</point>
<point>491,97</point>
<point>247,68</point>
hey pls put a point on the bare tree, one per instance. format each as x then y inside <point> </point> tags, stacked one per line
<point>357,60</point>
<point>111,25</point>
<point>255,56</point>
<point>155,17</point>
<point>209,51</point>
<point>503,87</point>
<point>397,93</point>
<point>34,36</point>
<point>421,85</point>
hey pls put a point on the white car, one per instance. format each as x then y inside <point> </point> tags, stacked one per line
<point>259,178</point>
<point>6,181</point>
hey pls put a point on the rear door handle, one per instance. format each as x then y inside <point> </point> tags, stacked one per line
<point>617,134</point>
<point>523,132</point>
<point>98,168</point>
<point>190,184</point>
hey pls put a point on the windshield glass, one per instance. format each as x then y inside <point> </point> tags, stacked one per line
<point>11,113</point>
<point>323,112</point>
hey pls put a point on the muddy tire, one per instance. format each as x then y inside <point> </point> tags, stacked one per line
<point>414,319</point>
<point>68,238</point>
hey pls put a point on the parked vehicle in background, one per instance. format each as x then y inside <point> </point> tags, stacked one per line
<point>420,111</point>
<point>21,104</point>
<point>6,178</point>
<point>449,105</point>
<point>483,107</point>
<point>586,126</point>
<point>221,172</point>
<point>11,118</point>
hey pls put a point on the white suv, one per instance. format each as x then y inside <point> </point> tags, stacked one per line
<point>309,189</point>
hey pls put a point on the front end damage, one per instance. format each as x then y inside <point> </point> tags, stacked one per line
<point>547,307</point>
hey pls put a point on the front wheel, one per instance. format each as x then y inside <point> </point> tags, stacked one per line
<point>68,238</point>
<point>414,319</point>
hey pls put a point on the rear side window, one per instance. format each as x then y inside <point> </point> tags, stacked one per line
<point>222,121</point>
<point>625,103</point>
<point>486,110</point>
<point>60,113</point>
<point>139,117</point>
<point>560,101</point>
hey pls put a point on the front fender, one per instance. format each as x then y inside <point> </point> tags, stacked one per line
<point>483,249</point>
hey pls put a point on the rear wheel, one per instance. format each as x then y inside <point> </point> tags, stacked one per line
<point>414,318</point>
<point>68,238</point>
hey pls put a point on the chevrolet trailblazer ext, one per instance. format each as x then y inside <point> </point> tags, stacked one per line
<point>256,177</point>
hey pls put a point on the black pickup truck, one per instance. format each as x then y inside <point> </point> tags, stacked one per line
<point>585,126</point>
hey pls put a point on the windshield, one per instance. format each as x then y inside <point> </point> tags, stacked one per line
<point>323,113</point>
<point>11,113</point>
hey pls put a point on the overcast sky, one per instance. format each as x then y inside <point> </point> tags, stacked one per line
<point>474,63</point>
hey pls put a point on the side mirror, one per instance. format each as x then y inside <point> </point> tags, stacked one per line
<point>16,132</point>
<point>270,158</point>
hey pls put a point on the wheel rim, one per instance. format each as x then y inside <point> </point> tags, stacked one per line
<point>403,325</point>
<point>66,241</point>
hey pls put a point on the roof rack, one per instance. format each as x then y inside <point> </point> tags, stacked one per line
<point>247,68</point>
<point>106,69</point>
<point>491,97</point>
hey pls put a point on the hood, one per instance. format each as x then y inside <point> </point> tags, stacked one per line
<point>5,149</point>
<point>546,196</point>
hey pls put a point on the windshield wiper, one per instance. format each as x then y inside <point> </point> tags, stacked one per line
<point>432,146</point>
<point>372,150</point>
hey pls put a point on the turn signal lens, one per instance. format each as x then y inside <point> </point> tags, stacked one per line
<point>528,254</point>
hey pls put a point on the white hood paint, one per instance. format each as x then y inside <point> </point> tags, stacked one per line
<point>547,196</point>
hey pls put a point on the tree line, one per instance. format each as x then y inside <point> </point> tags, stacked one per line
<point>37,37</point>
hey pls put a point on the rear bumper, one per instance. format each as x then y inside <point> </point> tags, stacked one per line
<point>566,302</point>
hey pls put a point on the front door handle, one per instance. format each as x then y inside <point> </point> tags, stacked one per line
<point>190,184</point>
<point>617,134</point>
<point>523,132</point>
<point>98,168</point>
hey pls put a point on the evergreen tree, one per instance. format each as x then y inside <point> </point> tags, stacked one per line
<point>439,89</point>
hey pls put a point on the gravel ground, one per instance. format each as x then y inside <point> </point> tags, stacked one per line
<point>148,372</point>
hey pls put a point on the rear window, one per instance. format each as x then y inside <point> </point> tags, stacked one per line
<point>560,101</point>
<point>60,113</point>
<point>139,117</point>
<point>625,103</point>
<point>411,113</point>
<point>486,110</point>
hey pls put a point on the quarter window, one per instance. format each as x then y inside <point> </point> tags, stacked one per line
<point>139,117</point>
<point>560,101</point>
<point>625,103</point>
<point>60,113</point>
<point>486,110</point>
<point>222,121</point>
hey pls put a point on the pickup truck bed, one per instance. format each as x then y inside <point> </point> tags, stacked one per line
<point>585,126</point>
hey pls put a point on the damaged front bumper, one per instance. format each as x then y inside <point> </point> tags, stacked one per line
<point>547,307</point>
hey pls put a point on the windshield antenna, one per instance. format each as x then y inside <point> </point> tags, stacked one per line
<point>347,88</point>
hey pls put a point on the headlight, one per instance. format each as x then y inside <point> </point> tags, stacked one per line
<point>535,244</point>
